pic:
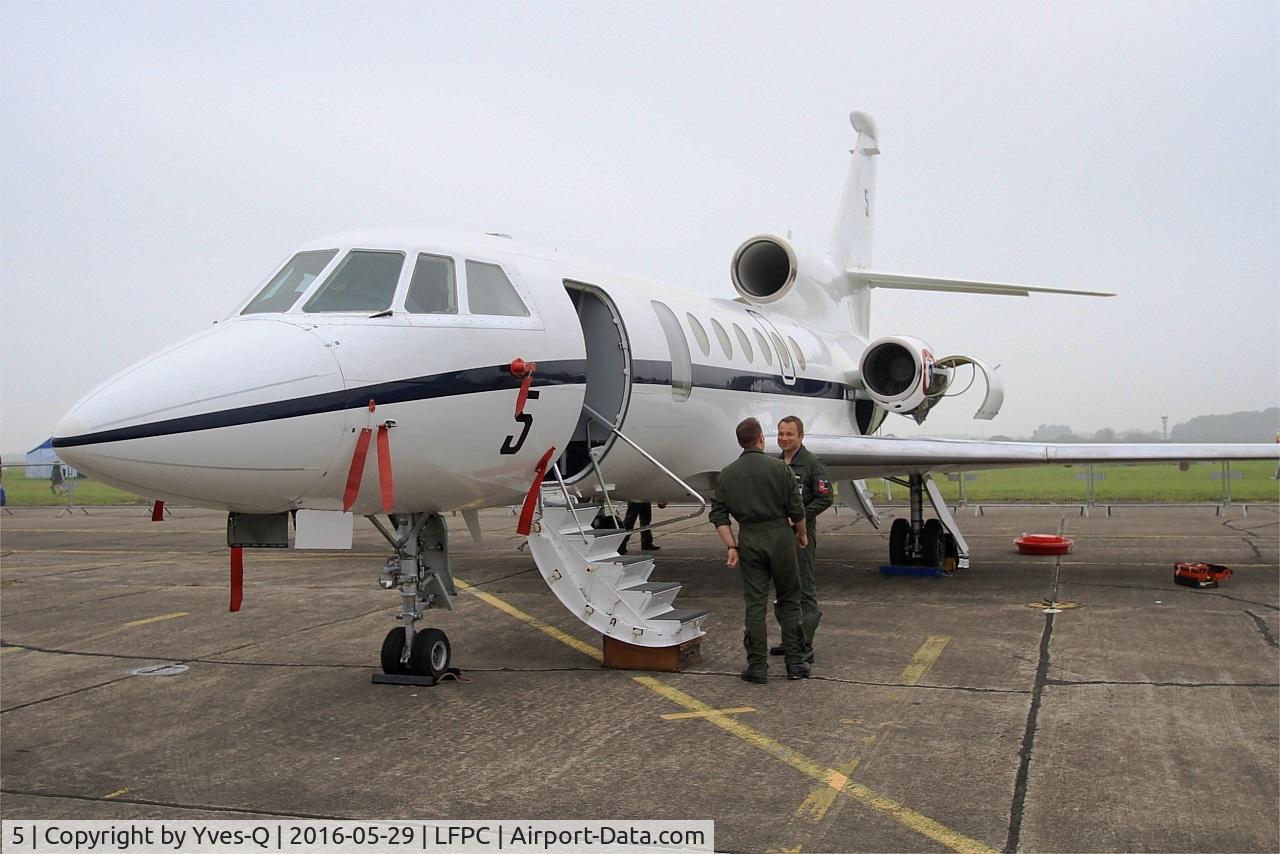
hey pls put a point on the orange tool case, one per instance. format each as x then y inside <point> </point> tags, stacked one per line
<point>1200,574</point>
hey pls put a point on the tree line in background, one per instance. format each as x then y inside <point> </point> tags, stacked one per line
<point>1256,426</point>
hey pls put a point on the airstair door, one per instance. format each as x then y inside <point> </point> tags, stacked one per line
<point>608,372</point>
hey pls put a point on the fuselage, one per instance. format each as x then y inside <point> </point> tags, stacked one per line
<point>262,412</point>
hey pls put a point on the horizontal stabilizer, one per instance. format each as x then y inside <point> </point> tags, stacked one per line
<point>897,281</point>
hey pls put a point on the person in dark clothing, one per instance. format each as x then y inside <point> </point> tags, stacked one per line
<point>816,493</point>
<point>641,511</point>
<point>761,494</point>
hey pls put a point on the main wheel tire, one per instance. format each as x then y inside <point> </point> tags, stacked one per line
<point>392,650</point>
<point>431,653</point>
<point>933,544</point>
<point>899,533</point>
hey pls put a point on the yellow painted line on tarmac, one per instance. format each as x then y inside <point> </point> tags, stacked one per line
<point>160,618</point>
<point>11,530</point>
<point>54,552</point>
<point>836,780</point>
<point>924,658</point>
<point>117,793</point>
<point>512,610</point>
<point>682,716</point>
<point>815,806</point>
<point>216,555</point>
<point>54,568</point>
<point>5,650</point>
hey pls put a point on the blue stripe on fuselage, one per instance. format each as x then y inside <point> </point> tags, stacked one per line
<point>657,372</point>
<point>451,384</point>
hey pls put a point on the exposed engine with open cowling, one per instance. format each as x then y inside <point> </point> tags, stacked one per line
<point>901,374</point>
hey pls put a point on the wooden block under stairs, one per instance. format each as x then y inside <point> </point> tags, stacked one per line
<point>621,655</point>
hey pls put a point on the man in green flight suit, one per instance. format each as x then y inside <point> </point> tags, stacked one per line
<point>815,492</point>
<point>760,492</point>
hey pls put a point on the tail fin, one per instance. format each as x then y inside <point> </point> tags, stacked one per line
<point>851,240</point>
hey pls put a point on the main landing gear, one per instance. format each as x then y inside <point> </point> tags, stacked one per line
<point>420,569</point>
<point>934,542</point>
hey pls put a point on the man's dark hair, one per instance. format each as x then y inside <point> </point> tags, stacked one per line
<point>749,432</point>
<point>794,419</point>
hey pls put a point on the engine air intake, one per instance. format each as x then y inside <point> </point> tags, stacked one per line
<point>763,269</point>
<point>889,369</point>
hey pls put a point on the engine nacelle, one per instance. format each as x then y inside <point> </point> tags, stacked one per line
<point>767,268</point>
<point>901,375</point>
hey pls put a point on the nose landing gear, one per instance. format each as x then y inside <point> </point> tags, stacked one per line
<point>429,654</point>
<point>420,569</point>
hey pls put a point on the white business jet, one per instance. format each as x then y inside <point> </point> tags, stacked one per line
<point>473,372</point>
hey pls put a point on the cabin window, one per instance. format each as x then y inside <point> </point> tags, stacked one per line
<point>681,363</point>
<point>365,281</point>
<point>744,342</point>
<point>723,337</point>
<point>489,291</point>
<point>293,279</point>
<point>765,349</point>
<point>432,289</point>
<point>704,343</point>
<point>784,356</point>
<point>795,348</point>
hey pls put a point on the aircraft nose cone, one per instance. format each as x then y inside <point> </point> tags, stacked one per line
<point>245,416</point>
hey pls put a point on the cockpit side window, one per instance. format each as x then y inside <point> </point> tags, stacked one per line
<point>293,279</point>
<point>489,291</point>
<point>364,281</point>
<point>433,289</point>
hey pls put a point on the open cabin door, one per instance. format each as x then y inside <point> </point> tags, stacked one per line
<point>608,371</point>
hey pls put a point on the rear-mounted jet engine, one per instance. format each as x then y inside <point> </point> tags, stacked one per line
<point>902,375</point>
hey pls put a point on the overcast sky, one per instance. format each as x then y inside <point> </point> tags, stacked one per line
<point>157,160</point>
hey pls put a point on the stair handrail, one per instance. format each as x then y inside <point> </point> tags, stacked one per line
<point>702,502</point>
<point>568,502</point>
<point>595,465</point>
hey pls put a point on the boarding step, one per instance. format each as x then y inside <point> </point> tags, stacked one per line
<point>617,576</point>
<point>598,549</point>
<point>581,505</point>
<point>681,615</point>
<point>595,532</point>
<point>653,587</point>
<point>624,560</point>
<point>651,597</point>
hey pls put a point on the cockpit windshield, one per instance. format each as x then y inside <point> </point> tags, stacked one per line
<point>364,281</point>
<point>286,286</point>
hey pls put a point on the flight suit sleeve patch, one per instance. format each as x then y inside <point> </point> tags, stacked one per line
<point>824,486</point>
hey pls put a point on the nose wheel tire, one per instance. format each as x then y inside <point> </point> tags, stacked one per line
<point>392,651</point>
<point>431,653</point>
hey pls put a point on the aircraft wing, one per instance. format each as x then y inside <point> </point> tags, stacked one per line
<point>868,456</point>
